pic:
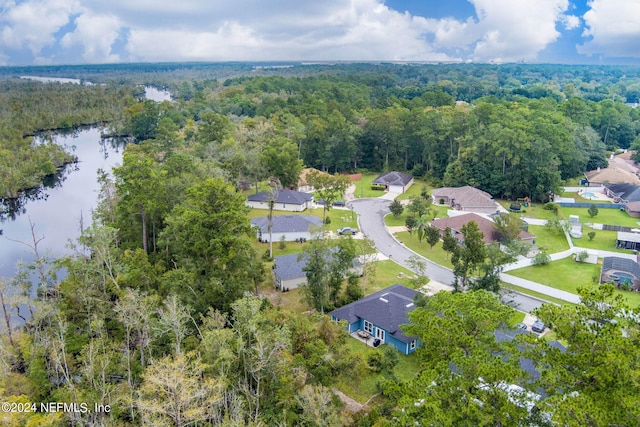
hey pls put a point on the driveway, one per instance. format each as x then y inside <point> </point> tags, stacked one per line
<point>371,214</point>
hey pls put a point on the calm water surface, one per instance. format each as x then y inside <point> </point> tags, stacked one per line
<point>57,215</point>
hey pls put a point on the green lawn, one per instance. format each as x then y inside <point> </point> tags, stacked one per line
<point>435,254</point>
<point>363,187</point>
<point>603,240</point>
<point>388,273</point>
<point>605,216</point>
<point>568,276</point>
<point>524,291</point>
<point>364,387</point>
<point>436,211</point>
<point>550,241</point>
<point>414,190</point>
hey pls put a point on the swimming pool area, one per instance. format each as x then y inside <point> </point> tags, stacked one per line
<point>589,195</point>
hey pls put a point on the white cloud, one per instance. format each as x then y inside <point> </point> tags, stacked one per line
<point>33,24</point>
<point>613,28</point>
<point>205,30</point>
<point>96,34</point>
<point>510,30</point>
<point>365,30</point>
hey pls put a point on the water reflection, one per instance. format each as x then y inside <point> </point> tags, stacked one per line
<point>57,210</point>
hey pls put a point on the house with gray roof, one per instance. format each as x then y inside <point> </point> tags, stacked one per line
<point>288,271</point>
<point>380,315</point>
<point>622,192</point>
<point>394,182</point>
<point>290,227</point>
<point>465,198</point>
<point>285,200</point>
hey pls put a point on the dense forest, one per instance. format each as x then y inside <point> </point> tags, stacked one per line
<point>160,315</point>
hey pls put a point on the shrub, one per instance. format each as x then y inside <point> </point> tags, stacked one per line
<point>542,258</point>
<point>591,235</point>
<point>551,207</point>
<point>327,220</point>
<point>582,256</point>
<point>378,187</point>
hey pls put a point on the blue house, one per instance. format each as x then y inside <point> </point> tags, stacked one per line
<point>380,315</point>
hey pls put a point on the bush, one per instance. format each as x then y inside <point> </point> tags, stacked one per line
<point>582,256</point>
<point>591,235</point>
<point>378,187</point>
<point>327,220</point>
<point>266,257</point>
<point>541,259</point>
<point>551,207</point>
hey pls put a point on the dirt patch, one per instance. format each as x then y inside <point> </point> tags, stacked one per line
<point>350,405</point>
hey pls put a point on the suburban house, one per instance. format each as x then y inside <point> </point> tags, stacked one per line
<point>303,185</point>
<point>394,182</point>
<point>619,270</point>
<point>610,175</point>
<point>379,317</point>
<point>626,240</point>
<point>288,271</point>
<point>455,223</point>
<point>285,200</point>
<point>465,198</point>
<point>286,227</point>
<point>632,209</point>
<point>622,192</point>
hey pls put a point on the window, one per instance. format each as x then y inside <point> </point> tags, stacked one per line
<point>380,334</point>
<point>412,345</point>
<point>368,327</point>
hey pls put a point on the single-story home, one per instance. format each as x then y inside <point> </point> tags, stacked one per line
<point>303,185</point>
<point>394,182</point>
<point>632,209</point>
<point>610,175</point>
<point>622,192</point>
<point>289,227</point>
<point>285,200</point>
<point>620,270</point>
<point>288,271</point>
<point>626,240</point>
<point>485,225</point>
<point>465,198</point>
<point>380,315</point>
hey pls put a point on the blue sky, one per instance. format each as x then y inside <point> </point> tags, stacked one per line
<point>101,31</point>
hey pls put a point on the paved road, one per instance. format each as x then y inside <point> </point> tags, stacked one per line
<point>371,214</point>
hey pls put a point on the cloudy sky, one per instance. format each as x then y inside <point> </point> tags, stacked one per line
<point>99,31</point>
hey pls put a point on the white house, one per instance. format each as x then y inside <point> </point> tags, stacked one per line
<point>291,227</point>
<point>286,200</point>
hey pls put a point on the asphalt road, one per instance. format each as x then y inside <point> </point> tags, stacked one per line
<point>371,214</point>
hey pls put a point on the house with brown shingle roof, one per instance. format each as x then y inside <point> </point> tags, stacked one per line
<point>485,225</point>
<point>303,185</point>
<point>465,198</point>
<point>611,175</point>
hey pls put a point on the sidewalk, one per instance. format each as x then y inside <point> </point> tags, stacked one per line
<point>540,288</point>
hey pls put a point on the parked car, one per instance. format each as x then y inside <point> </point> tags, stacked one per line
<point>538,326</point>
<point>347,231</point>
<point>319,202</point>
<point>522,326</point>
<point>339,203</point>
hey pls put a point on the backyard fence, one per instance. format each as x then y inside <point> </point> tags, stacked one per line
<point>588,205</point>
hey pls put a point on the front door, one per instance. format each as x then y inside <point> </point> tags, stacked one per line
<point>380,334</point>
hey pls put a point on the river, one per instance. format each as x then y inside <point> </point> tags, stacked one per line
<point>57,213</point>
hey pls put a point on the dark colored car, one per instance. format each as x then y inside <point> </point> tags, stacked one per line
<point>347,231</point>
<point>538,326</point>
<point>339,203</point>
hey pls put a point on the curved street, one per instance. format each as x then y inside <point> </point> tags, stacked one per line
<point>371,214</point>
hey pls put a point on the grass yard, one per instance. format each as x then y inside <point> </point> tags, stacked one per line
<point>364,387</point>
<point>363,187</point>
<point>605,216</point>
<point>603,240</point>
<point>436,211</point>
<point>435,254</point>
<point>388,273</point>
<point>550,241</point>
<point>568,276</point>
<point>580,199</point>
<point>414,190</point>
